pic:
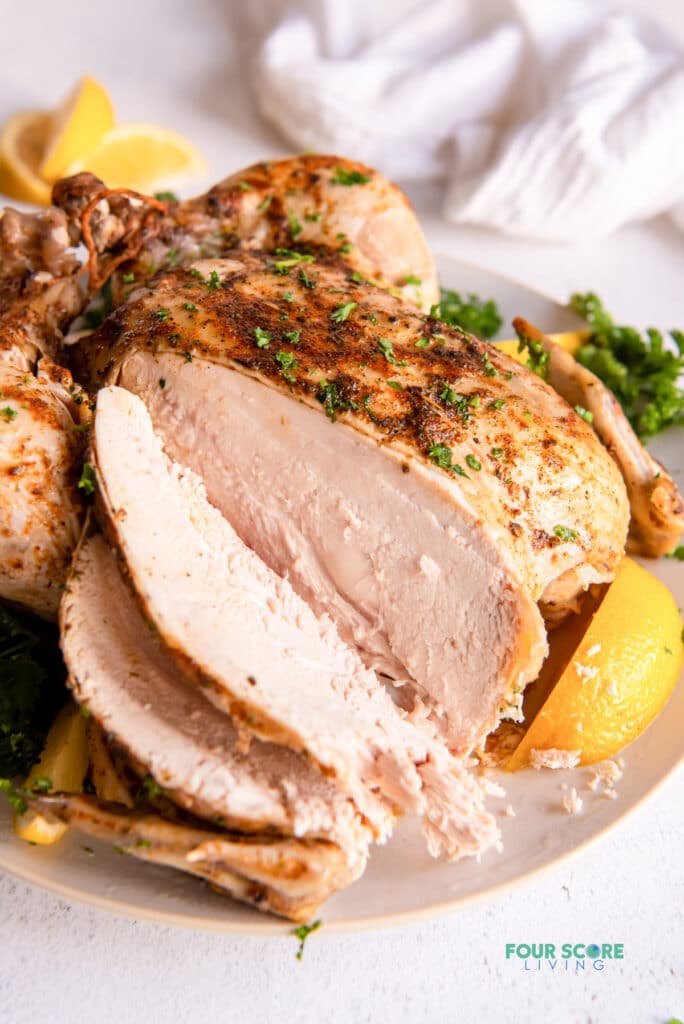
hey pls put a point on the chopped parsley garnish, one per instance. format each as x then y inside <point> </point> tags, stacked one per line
<point>244,186</point>
<point>41,785</point>
<point>307,281</point>
<point>474,463</point>
<point>168,197</point>
<point>344,177</point>
<point>214,281</point>
<point>302,933</point>
<point>287,363</point>
<point>584,414</point>
<point>264,204</point>
<point>87,481</point>
<point>263,338</point>
<point>312,218</point>
<point>162,314</point>
<point>150,787</point>
<point>342,312</point>
<point>471,313</point>
<point>295,226</point>
<point>498,403</point>
<point>497,453</point>
<point>639,368</point>
<point>423,343</point>
<point>128,278</point>
<point>386,347</point>
<point>347,247</point>
<point>565,533</point>
<point>173,257</point>
<point>490,369</point>
<point>462,403</point>
<point>293,336</point>
<point>8,414</point>
<point>366,404</point>
<point>395,385</point>
<point>441,456</point>
<point>287,297</point>
<point>332,401</point>
<point>190,306</point>
<point>412,279</point>
<point>289,258</point>
<point>537,356</point>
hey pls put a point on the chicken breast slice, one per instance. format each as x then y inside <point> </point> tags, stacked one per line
<point>121,673</point>
<point>289,877</point>
<point>258,651</point>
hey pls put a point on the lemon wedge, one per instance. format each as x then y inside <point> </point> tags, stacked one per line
<point>614,677</point>
<point>61,767</point>
<point>142,157</point>
<point>568,340</point>
<point>77,128</point>
<point>22,142</point>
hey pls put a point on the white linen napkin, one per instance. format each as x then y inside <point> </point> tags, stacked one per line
<point>556,121</point>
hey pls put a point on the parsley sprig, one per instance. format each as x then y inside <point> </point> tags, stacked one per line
<point>641,369</point>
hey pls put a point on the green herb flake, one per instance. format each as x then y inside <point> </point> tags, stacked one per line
<point>307,281</point>
<point>565,533</point>
<point>423,343</point>
<point>342,312</point>
<point>312,218</point>
<point>584,414</point>
<point>497,453</point>
<point>295,226</point>
<point>395,385</point>
<point>41,785</point>
<point>168,197</point>
<point>214,281</point>
<point>412,279</point>
<point>162,314</point>
<point>387,349</point>
<point>344,177</point>
<point>302,933</point>
<point>293,336</point>
<point>128,278</point>
<point>263,338</point>
<point>287,363</point>
<point>190,306</point>
<point>498,403</point>
<point>8,414</point>
<point>264,204</point>
<point>474,463</point>
<point>677,554</point>
<point>245,186</point>
<point>332,401</point>
<point>87,481</point>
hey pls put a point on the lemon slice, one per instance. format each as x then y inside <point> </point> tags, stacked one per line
<point>141,156</point>
<point>77,128</point>
<point>569,340</point>
<point>61,767</point>
<point>22,142</point>
<point>615,678</point>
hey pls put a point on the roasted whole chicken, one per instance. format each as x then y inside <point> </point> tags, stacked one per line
<point>329,532</point>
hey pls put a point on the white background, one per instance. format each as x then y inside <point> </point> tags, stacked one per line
<point>176,63</point>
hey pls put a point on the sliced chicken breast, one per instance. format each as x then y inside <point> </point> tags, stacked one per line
<point>258,651</point>
<point>121,673</point>
<point>422,489</point>
<point>289,877</point>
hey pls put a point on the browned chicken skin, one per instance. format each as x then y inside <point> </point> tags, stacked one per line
<point>657,507</point>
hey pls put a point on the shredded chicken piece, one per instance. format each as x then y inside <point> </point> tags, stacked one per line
<point>554,758</point>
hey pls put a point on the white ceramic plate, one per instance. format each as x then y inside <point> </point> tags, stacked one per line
<point>402,882</point>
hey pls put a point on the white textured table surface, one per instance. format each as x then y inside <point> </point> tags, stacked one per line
<point>174,63</point>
